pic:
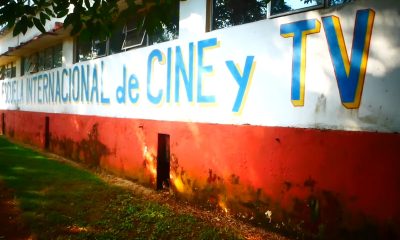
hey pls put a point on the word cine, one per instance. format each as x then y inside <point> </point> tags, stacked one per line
<point>193,83</point>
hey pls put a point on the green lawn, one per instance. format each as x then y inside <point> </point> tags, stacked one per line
<point>59,201</point>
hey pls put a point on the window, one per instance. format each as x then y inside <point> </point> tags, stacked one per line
<point>134,35</point>
<point>43,60</point>
<point>48,58</point>
<point>227,13</point>
<point>87,50</point>
<point>8,71</point>
<point>284,7</point>
<point>337,2</point>
<point>57,56</point>
<point>99,48</point>
<point>29,64</point>
<point>84,50</point>
<point>130,36</point>
<point>116,41</point>
<point>165,33</point>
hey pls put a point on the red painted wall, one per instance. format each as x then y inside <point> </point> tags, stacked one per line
<point>339,181</point>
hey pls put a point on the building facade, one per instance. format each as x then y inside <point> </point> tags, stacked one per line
<point>284,115</point>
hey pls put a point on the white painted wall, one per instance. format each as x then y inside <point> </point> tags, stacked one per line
<point>268,102</point>
<point>68,51</point>
<point>193,18</point>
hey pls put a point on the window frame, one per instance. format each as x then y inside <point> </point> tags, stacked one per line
<point>143,37</point>
<point>2,72</point>
<point>325,4</point>
<point>8,71</point>
<point>135,29</point>
<point>37,61</point>
<point>121,35</point>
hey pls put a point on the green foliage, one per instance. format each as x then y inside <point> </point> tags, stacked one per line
<point>91,19</point>
<point>234,12</point>
<point>59,201</point>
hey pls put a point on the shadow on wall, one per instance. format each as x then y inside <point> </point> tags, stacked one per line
<point>89,150</point>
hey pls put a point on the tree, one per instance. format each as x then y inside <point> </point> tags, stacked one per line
<point>97,18</point>
<point>234,12</point>
<point>89,18</point>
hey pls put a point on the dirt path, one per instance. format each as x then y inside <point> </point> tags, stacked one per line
<point>11,225</point>
<point>216,218</point>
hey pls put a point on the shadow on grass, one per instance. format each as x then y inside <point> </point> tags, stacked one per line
<point>59,201</point>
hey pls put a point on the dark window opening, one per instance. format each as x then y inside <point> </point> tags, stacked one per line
<point>338,2</point>
<point>48,59</point>
<point>42,60</point>
<point>3,123</point>
<point>47,133</point>
<point>163,161</point>
<point>99,48</point>
<point>57,56</point>
<point>83,50</point>
<point>227,13</point>
<point>8,71</point>
<point>131,35</point>
<point>116,41</point>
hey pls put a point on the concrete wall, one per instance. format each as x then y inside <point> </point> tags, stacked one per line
<point>325,164</point>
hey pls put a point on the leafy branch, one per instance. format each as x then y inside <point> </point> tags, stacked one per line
<point>90,18</point>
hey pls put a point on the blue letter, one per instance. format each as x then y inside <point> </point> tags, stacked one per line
<point>121,89</point>
<point>103,99</point>
<point>350,75</point>
<point>85,83</point>
<point>202,46</point>
<point>95,89</point>
<point>58,88</point>
<point>169,70</point>
<point>133,84</point>
<point>51,87</point>
<point>180,67</point>
<point>242,80</point>
<point>75,84</point>
<point>64,97</point>
<point>154,55</point>
<point>299,31</point>
<point>45,85</point>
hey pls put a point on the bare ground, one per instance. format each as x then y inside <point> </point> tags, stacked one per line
<point>216,218</point>
<point>11,224</point>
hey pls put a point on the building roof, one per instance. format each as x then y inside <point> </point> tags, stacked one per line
<point>43,40</point>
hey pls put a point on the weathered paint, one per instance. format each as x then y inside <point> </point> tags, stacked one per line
<point>272,121</point>
<point>350,175</point>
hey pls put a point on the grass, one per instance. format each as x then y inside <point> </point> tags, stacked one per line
<point>59,201</point>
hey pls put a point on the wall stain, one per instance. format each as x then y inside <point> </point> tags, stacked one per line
<point>235,179</point>
<point>310,183</point>
<point>212,177</point>
<point>89,150</point>
<point>321,104</point>
<point>318,216</point>
<point>287,185</point>
<point>10,132</point>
